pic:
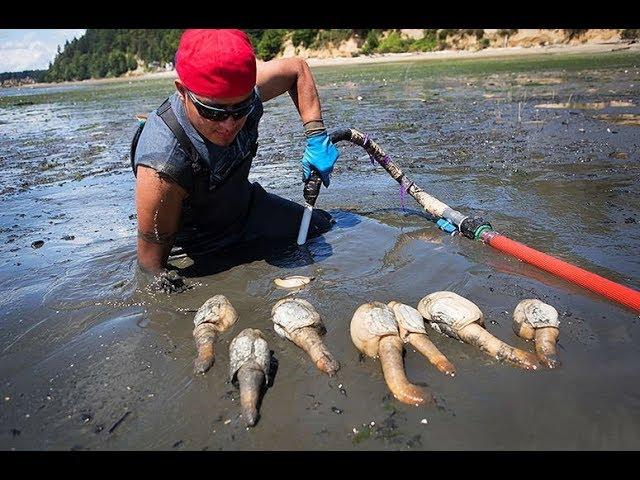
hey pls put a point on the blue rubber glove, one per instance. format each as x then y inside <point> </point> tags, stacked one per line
<point>321,155</point>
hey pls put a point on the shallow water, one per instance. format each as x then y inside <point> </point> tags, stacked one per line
<point>87,361</point>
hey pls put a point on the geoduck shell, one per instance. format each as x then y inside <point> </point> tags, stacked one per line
<point>290,314</point>
<point>370,322</point>
<point>448,312</point>
<point>218,311</point>
<point>536,313</point>
<point>249,345</point>
<point>408,317</point>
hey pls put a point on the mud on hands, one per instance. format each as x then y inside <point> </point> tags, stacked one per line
<point>167,281</point>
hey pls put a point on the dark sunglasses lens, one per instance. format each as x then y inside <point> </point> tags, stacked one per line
<point>220,115</point>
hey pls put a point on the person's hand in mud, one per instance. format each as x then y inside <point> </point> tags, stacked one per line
<point>168,281</point>
<point>165,280</point>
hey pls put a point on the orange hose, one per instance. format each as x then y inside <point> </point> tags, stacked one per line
<point>613,291</point>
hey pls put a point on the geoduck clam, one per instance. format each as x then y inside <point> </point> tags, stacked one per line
<point>214,316</point>
<point>295,319</point>
<point>411,326</point>
<point>249,361</point>
<point>374,332</point>
<point>538,321</point>
<point>457,317</point>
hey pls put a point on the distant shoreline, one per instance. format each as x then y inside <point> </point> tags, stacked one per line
<point>485,53</point>
<point>395,57</point>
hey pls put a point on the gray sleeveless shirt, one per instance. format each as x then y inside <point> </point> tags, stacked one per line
<point>218,186</point>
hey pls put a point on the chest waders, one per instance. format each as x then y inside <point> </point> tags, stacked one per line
<point>217,203</point>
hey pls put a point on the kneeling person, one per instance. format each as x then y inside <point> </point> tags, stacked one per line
<point>193,155</point>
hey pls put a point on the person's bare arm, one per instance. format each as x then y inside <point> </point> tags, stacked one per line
<point>159,205</point>
<point>292,75</point>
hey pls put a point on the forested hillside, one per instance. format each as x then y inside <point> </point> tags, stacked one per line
<point>110,53</point>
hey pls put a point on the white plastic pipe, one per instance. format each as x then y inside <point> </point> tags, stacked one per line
<point>304,224</point>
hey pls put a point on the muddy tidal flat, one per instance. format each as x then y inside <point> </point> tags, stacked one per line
<point>547,148</point>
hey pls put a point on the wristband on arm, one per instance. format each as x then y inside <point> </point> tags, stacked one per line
<point>313,126</point>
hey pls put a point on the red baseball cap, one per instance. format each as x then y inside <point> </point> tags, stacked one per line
<point>216,63</point>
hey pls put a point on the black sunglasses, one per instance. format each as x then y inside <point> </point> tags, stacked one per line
<point>219,114</point>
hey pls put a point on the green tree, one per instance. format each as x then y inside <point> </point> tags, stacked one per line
<point>333,36</point>
<point>304,37</point>
<point>255,36</point>
<point>270,44</point>
<point>371,43</point>
<point>101,52</point>
<point>394,43</point>
<point>427,43</point>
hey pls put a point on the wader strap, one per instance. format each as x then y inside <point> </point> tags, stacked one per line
<point>165,112</point>
<point>134,145</point>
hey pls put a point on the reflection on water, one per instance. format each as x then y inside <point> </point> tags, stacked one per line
<point>89,361</point>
